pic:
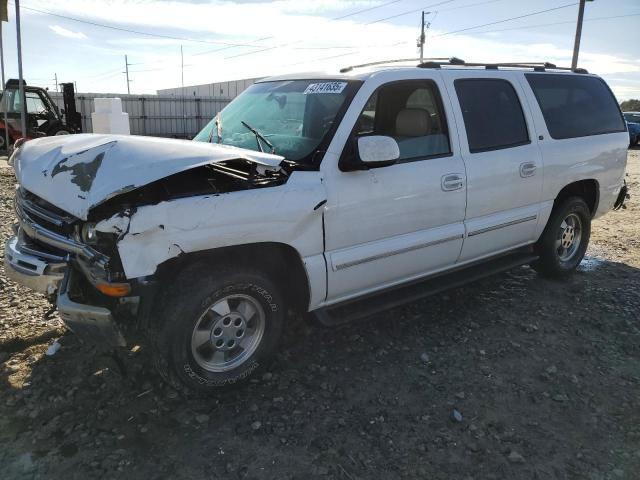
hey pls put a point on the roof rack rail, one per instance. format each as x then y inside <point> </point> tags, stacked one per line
<point>382,62</point>
<point>536,66</point>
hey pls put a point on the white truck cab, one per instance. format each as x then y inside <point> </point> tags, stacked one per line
<point>337,194</point>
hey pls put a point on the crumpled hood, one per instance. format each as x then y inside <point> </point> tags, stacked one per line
<point>78,172</point>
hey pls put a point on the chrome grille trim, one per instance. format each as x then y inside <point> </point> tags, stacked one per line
<point>41,212</point>
<point>40,234</point>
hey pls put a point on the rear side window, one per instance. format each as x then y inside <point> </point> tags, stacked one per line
<point>576,105</point>
<point>492,113</point>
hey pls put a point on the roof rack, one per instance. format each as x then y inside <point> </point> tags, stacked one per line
<point>536,66</point>
<point>383,62</point>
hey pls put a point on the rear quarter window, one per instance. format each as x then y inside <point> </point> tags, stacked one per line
<point>575,105</point>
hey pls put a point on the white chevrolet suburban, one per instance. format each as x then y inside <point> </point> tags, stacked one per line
<point>336,194</point>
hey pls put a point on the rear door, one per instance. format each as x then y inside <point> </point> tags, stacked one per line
<point>503,161</point>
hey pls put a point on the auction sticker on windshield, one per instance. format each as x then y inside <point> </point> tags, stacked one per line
<point>326,87</point>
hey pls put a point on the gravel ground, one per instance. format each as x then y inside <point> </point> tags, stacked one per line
<point>512,377</point>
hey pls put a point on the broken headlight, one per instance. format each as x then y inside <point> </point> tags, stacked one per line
<point>88,233</point>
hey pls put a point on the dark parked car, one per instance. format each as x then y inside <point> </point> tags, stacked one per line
<point>633,123</point>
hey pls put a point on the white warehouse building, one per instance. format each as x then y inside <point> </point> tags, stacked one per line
<point>226,90</point>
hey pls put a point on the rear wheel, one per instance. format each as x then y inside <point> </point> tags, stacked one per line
<point>3,140</point>
<point>565,238</point>
<point>218,328</point>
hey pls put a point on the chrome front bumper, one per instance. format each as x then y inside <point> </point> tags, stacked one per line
<point>46,275</point>
<point>38,273</point>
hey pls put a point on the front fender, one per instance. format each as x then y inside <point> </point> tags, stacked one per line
<point>282,214</point>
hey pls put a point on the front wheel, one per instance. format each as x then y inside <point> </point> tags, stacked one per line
<point>217,329</point>
<point>565,238</point>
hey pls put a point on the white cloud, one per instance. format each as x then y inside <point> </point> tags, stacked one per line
<point>302,32</point>
<point>67,33</point>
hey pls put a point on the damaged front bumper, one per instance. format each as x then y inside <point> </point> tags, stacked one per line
<point>39,271</point>
<point>48,274</point>
<point>90,322</point>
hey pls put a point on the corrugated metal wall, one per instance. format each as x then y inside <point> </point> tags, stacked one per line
<point>158,116</point>
<point>230,89</point>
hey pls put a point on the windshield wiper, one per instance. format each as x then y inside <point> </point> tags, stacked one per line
<point>259,137</point>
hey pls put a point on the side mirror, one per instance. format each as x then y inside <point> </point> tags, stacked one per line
<point>378,151</point>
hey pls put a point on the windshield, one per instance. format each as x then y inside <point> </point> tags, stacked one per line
<point>291,117</point>
<point>632,117</point>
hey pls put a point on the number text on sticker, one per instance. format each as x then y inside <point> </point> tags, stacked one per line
<point>326,87</point>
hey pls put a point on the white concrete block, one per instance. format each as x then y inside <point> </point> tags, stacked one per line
<point>109,117</point>
<point>106,105</point>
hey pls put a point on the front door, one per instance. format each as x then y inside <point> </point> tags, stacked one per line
<point>504,165</point>
<point>387,225</point>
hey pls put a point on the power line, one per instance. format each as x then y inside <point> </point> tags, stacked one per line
<point>366,10</point>
<point>369,23</point>
<point>540,25</point>
<point>138,32</point>
<point>456,31</point>
<point>409,12</point>
<point>469,5</point>
<point>439,35</point>
<point>357,12</point>
<point>453,32</point>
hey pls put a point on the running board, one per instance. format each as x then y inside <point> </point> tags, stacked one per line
<point>376,302</point>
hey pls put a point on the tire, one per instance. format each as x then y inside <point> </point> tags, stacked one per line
<point>564,240</point>
<point>217,328</point>
<point>62,131</point>
<point>3,145</point>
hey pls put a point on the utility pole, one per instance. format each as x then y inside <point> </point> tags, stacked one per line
<point>23,103</point>
<point>55,78</point>
<point>4,100</point>
<point>182,68</point>
<point>576,43</point>
<point>423,37</point>
<point>126,71</point>
<point>184,116</point>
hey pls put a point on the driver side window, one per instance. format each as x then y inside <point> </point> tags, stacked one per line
<point>410,112</point>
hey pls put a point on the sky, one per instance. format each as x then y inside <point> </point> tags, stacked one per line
<point>228,40</point>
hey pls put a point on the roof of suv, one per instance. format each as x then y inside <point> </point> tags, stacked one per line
<point>363,72</point>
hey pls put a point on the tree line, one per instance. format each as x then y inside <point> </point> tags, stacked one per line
<point>630,105</point>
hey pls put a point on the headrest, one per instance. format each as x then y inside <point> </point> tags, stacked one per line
<point>413,122</point>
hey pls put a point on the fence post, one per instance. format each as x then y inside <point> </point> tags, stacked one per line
<point>198,116</point>
<point>143,115</point>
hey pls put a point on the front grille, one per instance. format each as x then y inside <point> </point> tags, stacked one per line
<point>43,213</point>
<point>47,227</point>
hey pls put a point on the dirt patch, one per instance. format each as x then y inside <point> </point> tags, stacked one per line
<point>510,377</point>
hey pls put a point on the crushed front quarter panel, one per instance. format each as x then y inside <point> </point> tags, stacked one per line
<point>153,234</point>
<point>77,172</point>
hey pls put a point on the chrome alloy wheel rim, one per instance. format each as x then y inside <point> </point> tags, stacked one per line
<point>228,333</point>
<point>569,236</point>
